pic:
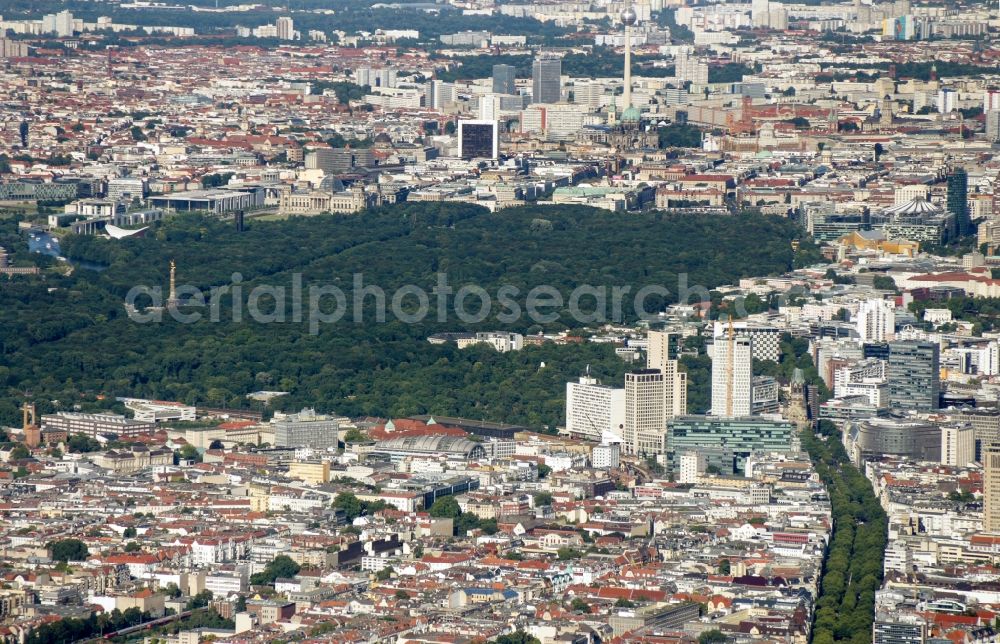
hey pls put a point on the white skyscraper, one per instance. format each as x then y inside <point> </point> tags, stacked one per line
<point>594,410</point>
<point>645,413</point>
<point>988,359</point>
<point>991,99</point>
<point>61,24</point>
<point>661,354</point>
<point>286,28</point>
<point>589,94</point>
<point>777,18</point>
<point>993,126</point>
<point>489,107</point>
<point>946,100</point>
<point>439,94</point>
<point>876,320</point>
<point>759,13</point>
<point>689,68</point>
<point>958,446</point>
<point>732,376</point>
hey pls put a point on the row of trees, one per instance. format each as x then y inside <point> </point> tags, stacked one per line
<point>852,571</point>
<point>72,629</point>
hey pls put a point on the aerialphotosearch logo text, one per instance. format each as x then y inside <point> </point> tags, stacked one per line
<point>324,304</point>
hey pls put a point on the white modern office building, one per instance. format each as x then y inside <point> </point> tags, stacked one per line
<point>876,320</point>
<point>732,376</point>
<point>593,410</point>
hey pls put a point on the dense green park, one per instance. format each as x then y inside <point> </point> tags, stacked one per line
<point>67,340</point>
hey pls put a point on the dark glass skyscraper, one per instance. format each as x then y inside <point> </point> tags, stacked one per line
<point>503,79</point>
<point>914,375</point>
<point>478,139</point>
<point>546,79</point>
<point>958,200</point>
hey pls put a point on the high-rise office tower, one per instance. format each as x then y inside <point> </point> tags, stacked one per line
<point>947,100</point>
<point>732,376</point>
<point>286,28</point>
<point>305,429</point>
<point>439,94</point>
<point>645,413</point>
<point>991,99</point>
<point>661,354</point>
<point>914,375</point>
<point>911,631</point>
<point>760,12</point>
<point>690,68</point>
<point>991,487</point>
<point>993,126</point>
<point>958,199</point>
<point>546,79</point>
<point>61,24</point>
<point>64,24</point>
<point>593,410</point>
<point>478,140</point>
<point>876,320</point>
<point>503,79</point>
<point>489,107</point>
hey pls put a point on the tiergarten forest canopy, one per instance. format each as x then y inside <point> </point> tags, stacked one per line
<point>69,338</point>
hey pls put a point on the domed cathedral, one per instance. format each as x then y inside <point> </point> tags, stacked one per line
<point>629,131</point>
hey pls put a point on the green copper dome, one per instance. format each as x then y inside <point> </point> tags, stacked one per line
<point>632,114</point>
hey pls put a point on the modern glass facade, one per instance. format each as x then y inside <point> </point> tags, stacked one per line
<point>306,429</point>
<point>885,632</point>
<point>546,79</point>
<point>877,437</point>
<point>914,375</point>
<point>503,79</point>
<point>958,200</point>
<point>478,139</point>
<point>727,442</point>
